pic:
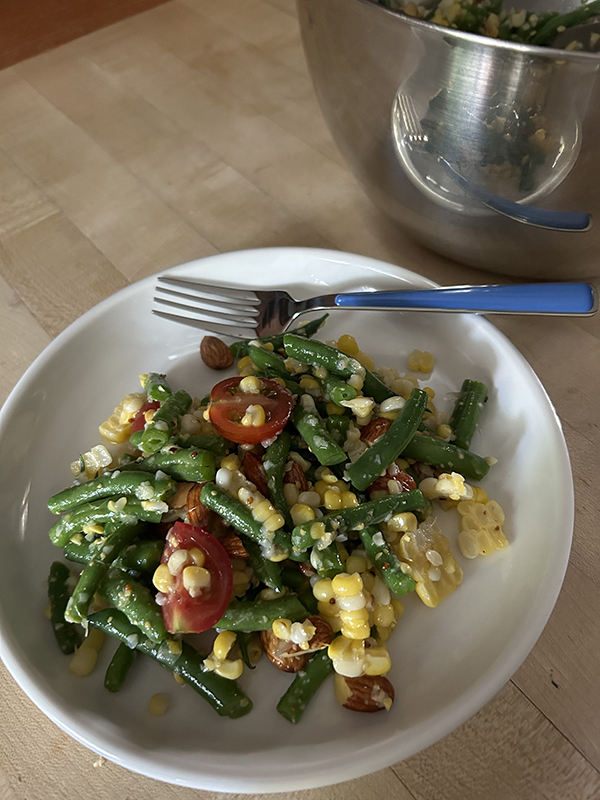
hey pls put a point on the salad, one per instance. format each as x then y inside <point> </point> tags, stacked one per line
<point>285,514</point>
<point>489,18</point>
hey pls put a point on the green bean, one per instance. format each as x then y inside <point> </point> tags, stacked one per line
<point>274,461</point>
<point>82,552</point>
<point>215,444</point>
<point>337,362</point>
<point>319,354</point>
<point>264,359</point>
<point>164,423</point>
<point>386,562</point>
<point>374,387</point>
<point>337,389</point>
<point>337,425</point>
<point>309,601</point>
<point>307,329</point>
<point>259,615</point>
<point>141,556</point>
<point>439,453</point>
<point>102,512</point>
<point>119,667</point>
<point>224,695</point>
<point>66,634</point>
<point>304,686</point>
<point>189,464</point>
<point>135,440</point>
<point>357,518</point>
<point>290,384</point>
<point>156,386</point>
<point>112,484</point>
<point>94,573</point>
<point>243,641</point>
<point>575,17</point>
<point>268,572</point>
<point>465,414</point>
<point>294,579</point>
<point>312,429</point>
<point>327,561</point>
<point>276,546</point>
<point>135,601</point>
<point>388,447</point>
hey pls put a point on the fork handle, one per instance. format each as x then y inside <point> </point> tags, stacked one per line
<point>540,298</point>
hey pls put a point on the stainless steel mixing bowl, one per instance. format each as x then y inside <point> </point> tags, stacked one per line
<point>519,122</point>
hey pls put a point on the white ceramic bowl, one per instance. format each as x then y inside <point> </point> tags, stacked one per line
<point>447,662</point>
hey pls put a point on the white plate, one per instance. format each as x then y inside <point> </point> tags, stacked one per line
<point>447,662</point>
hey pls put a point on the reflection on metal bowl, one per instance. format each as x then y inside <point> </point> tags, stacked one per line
<point>517,121</point>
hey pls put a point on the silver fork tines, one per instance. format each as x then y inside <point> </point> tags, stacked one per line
<point>413,131</point>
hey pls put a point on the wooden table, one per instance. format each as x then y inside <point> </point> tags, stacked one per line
<point>192,129</point>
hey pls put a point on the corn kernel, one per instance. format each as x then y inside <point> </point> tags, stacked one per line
<point>159,703</point>
<point>398,607</point>
<point>306,382</point>
<point>332,408</point>
<point>347,344</point>
<point>282,628</point>
<point>317,530</point>
<point>355,564</point>
<point>262,511</point>
<point>332,500</point>
<point>383,616</point>
<point>479,495</point>
<point>223,644</point>
<point>250,384</point>
<point>377,661</point>
<point>231,462</point>
<point>231,670</point>
<point>444,431</point>
<point>162,578</point>
<point>254,417</point>
<point>323,590</point>
<point>95,639</point>
<point>197,556</point>
<point>291,493</point>
<point>301,513</point>
<point>349,500</point>
<point>328,609</point>
<point>195,579</point>
<point>244,363</point>
<point>321,487</point>
<point>346,585</point>
<point>274,522</point>
<point>177,560</point>
<point>84,660</point>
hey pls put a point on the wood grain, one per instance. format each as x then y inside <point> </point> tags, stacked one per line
<point>191,129</point>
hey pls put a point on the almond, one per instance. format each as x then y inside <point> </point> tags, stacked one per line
<point>296,476</point>
<point>306,568</point>
<point>375,429</point>
<point>253,469</point>
<point>197,513</point>
<point>215,353</point>
<point>368,693</point>
<point>289,656</point>
<point>234,546</point>
<point>403,479</point>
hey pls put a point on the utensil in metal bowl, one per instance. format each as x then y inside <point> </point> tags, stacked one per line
<point>518,121</point>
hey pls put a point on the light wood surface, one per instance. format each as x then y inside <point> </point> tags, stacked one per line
<point>192,129</point>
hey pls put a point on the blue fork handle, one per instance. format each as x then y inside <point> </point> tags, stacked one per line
<point>572,221</point>
<point>538,298</point>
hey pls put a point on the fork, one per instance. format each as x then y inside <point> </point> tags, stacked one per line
<point>407,120</point>
<point>244,312</point>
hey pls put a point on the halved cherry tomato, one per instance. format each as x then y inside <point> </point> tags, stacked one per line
<point>182,612</point>
<point>139,420</point>
<point>228,405</point>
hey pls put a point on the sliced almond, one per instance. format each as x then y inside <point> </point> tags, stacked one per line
<point>289,656</point>
<point>197,513</point>
<point>403,479</point>
<point>375,429</point>
<point>367,693</point>
<point>296,476</point>
<point>234,546</point>
<point>215,353</point>
<point>253,469</point>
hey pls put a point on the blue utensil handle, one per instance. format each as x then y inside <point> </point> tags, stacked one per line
<point>539,298</point>
<point>549,219</point>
